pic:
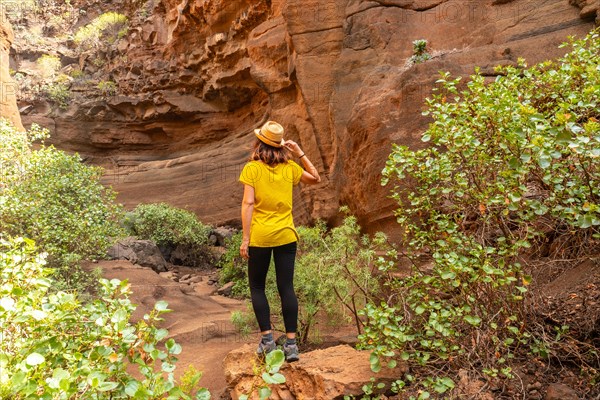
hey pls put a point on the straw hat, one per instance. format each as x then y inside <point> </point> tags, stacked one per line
<point>271,133</point>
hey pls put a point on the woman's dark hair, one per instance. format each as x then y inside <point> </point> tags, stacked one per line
<point>268,154</point>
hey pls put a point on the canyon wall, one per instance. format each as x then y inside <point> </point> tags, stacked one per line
<point>8,90</point>
<point>194,77</point>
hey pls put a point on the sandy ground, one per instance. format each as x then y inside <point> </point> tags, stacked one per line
<point>200,321</point>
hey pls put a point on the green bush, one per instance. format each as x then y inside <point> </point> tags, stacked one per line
<point>105,27</point>
<point>53,198</point>
<point>107,88</point>
<point>167,226</point>
<point>420,53</point>
<point>48,65</point>
<point>333,274</point>
<point>58,93</point>
<point>512,163</point>
<point>233,267</point>
<point>54,346</point>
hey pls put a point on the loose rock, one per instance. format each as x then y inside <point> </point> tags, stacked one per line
<point>225,290</point>
<point>142,252</point>
<point>558,391</point>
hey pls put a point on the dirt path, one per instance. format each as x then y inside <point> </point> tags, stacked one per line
<point>200,321</point>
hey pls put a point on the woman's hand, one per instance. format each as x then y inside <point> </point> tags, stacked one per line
<point>293,147</point>
<point>244,249</point>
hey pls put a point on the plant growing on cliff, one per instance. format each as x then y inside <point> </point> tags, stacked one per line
<point>107,88</point>
<point>505,158</point>
<point>48,66</point>
<point>103,29</point>
<point>58,93</point>
<point>53,198</point>
<point>420,53</point>
<point>54,346</point>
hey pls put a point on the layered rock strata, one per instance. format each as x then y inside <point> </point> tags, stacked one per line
<point>194,77</point>
<point>8,90</point>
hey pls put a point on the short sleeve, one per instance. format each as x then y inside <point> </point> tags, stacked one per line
<point>250,174</point>
<point>297,172</point>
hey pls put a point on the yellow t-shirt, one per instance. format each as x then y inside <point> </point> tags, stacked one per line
<point>272,221</point>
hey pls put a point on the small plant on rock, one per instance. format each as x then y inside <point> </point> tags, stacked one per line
<point>104,27</point>
<point>266,374</point>
<point>48,66</point>
<point>420,53</point>
<point>107,88</point>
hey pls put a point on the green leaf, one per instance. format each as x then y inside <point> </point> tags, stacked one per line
<point>132,387</point>
<point>472,319</point>
<point>161,305</point>
<point>107,386</point>
<point>544,162</point>
<point>274,379</point>
<point>264,393</point>
<point>34,359</point>
<point>274,360</point>
<point>204,394</point>
<point>375,363</point>
<point>446,275</point>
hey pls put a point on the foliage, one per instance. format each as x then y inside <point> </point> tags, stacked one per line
<point>167,225</point>
<point>244,322</point>
<point>55,199</point>
<point>105,27</point>
<point>56,347</point>
<point>233,267</point>
<point>107,88</point>
<point>333,274</point>
<point>77,73</point>
<point>420,53</point>
<point>266,374</point>
<point>48,65</point>
<point>58,93</point>
<point>506,159</point>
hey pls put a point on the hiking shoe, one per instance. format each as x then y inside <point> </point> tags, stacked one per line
<point>265,347</point>
<point>291,352</point>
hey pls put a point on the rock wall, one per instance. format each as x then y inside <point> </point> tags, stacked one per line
<point>8,91</point>
<point>195,76</point>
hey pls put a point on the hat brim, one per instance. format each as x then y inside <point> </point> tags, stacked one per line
<point>266,140</point>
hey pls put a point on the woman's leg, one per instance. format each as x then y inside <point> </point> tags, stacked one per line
<point>258,266</point>
<point>285,258</point>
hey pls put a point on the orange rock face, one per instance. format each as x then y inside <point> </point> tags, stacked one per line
<point>196,76</point>
<point>8,89</point>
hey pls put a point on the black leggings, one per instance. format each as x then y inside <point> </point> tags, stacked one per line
<point>258,266</point>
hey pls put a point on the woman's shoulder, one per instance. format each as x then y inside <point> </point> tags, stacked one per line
<point>292,163</point>
<point>253,163</point>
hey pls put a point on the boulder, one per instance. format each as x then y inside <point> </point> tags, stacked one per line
<point>558,391</point>
<point>222,233</point>
<point>225,290</point>
<point>191,256</point>
<point>325,374</point>
<point>141,252</point>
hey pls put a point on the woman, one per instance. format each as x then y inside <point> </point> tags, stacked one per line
<point>268,227</point>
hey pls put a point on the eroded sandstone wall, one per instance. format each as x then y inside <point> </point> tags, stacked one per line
<point>195,76</point>
<point>8,91</point>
